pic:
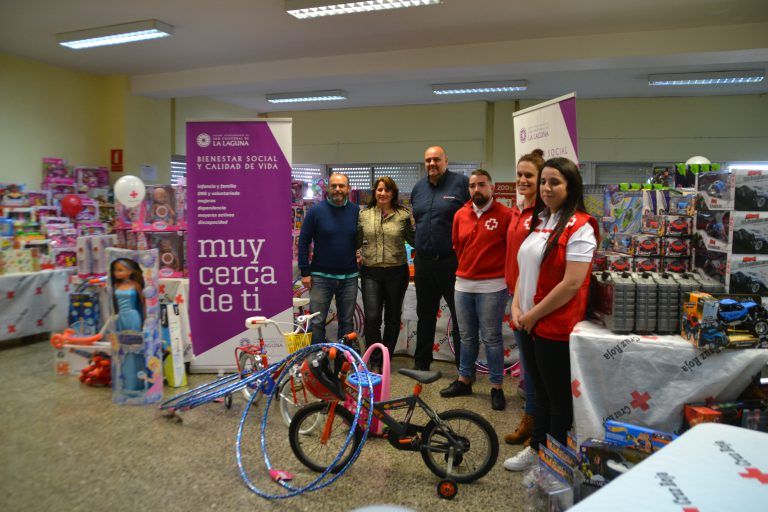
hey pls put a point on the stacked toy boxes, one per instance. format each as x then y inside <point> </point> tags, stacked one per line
<point>732,229</point>
<point>159,222</point>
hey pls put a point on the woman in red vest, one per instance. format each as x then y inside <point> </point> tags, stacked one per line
<point>528,170</point>
<point>554,262</point>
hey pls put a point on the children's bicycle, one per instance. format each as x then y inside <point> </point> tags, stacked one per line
<point>252,358</point>
<point>458,446</point>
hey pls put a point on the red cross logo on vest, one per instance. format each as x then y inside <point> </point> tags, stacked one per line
<point>527,224</point>
<point>491,224</point>
<point>571,221</point>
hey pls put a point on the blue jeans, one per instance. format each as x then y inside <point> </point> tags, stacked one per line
<point>530,394</point>
<point>480,316</point>
<point>324,289</point>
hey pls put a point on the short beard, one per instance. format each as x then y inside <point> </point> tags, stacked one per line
<point>480,201</point>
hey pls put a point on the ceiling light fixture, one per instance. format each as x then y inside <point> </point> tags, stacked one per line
<point>480,87</point>
<point>304,9</point>
<point>708,78</point>
<point>115,34</point>
<point>306,97</point>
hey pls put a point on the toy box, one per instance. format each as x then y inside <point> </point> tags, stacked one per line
<point>623,211</point>
<point>646,245</point>
<point>748,274</point>
<point>594,200</point>
<point>695,414</point>
<point>755,419</point>
<point>652,224</point>
<point>646,302</point>
<point>672,247</point>
<point>169,247</point>
<point>161,210</point>
<point>716,190</point>
<point>646,264</point>
<point>91,177</point>
<point>749,232</point>
<point>602,461</point>
<point>55,168</point>
<point>668,303</point>
<point>684,204</point>
<point>71,359</point>
<point>19,260</point>
<point>710,263</point>
<point>740,189</point>
<point>618,243</point>
<point>618,262</point>
<point>640,438</point>
<point>676,265</point>
<point>714,227</point>
<point>678,225</point>
<point>727,321</point>
<point>729,413</point>
<point>599,261</point>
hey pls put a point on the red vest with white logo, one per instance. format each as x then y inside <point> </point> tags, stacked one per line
<point>558,324</point>
<point>480,243</point>
<point>515,237</point>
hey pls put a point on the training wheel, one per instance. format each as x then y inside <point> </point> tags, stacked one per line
<point>228,400</point>
<point>447,489</point>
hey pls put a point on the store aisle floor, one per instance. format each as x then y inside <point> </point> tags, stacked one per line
<point>65,446</point>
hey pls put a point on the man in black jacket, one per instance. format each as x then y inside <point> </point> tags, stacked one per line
<point>435,199</point>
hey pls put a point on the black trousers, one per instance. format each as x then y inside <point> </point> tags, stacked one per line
<point>383,291</point>
<point>433,279</point>
<point>548,363</point>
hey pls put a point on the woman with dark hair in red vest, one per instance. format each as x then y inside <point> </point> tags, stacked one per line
<point>528,169</point>
<point>555,262</point>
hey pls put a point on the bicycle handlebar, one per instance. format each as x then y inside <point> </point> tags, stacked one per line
<point>255,322</point>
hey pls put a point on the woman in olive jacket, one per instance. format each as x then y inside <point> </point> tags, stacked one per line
<point>382,230</point>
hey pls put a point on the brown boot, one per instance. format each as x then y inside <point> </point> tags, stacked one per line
<point>523,431</point>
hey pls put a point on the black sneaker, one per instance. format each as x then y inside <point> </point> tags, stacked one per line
<point>498,402</point>
<point>457,388</point>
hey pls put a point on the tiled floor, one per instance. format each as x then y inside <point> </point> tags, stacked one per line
<point>65,446</point>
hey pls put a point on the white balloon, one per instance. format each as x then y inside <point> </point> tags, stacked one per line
<point>130,190</point>
<point>697,160</point>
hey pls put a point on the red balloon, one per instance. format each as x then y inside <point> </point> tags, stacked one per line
<point>71,205</point>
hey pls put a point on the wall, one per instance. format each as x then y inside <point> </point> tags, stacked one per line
<point>49,111</point>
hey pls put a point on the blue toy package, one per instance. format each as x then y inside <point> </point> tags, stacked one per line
<point>6,227</point>
<point>137,345</point>
<point>623,210</point>
<point>643,439</point>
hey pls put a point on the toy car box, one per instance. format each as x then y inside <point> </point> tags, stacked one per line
<point>675,265</point>
<point>716,190</point>
<point>652,224</point>
<point>618,262</point>
<point>749,232</point>
<point>695,414</point>
<point>677,225</point>
<point>640,438</point>
<point>740,189</point>
<point>646,245</point>
<point>646,264</point>
<point>672,247</point>
<point>684,204</point>
<point>729,413</point>
<point>714,228</point>
<point>748,274</point>
<point>710,263</point>
<point>613,300</point>
<point>622,244</point>
<point>727,321</point>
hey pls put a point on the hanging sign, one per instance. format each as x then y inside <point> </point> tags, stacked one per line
<point>549,126</point>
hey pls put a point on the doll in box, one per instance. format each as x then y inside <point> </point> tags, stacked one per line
<point>169,257</point>
<point>161,206</point>
<point>127,283</point>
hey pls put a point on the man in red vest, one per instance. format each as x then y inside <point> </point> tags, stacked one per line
<point>479,239</point>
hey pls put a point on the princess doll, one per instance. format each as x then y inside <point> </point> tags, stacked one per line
<point>127,285</point>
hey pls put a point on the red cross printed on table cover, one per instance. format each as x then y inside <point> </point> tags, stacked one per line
<point>11,329</point>
<point>39,322</point>
<point>162,289</point>
<point>179,299</point>
<point>757,474</point>
<point>507,351</point>
<point>640,401</point>
<point>39,290</point>
<point>575,388</point>
<point>436,347</point>
<point>9,295</point>
<point>690,509</point>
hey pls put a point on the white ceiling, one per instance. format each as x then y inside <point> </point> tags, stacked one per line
<point>239,50</point>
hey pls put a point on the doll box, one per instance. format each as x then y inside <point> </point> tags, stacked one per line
<point>72,359</point>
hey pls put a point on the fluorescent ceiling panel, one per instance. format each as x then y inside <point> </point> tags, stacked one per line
<point>306,97</point>
<point>708,78</point>
<point>304,9</point>
<point>480,87</point>
<point>114,34</point>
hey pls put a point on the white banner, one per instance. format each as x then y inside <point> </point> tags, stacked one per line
<point>549,126</point>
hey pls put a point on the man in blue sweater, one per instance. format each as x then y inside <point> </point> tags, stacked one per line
<point>331,226</point>
<point>435,200</point>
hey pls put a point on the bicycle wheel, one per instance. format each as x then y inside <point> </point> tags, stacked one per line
<point>250,364</point>
<point>293,396</point>
<point>476,451</point>
<point>309,448</point>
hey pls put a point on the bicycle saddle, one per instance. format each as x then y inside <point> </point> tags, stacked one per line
<point>421,376</point>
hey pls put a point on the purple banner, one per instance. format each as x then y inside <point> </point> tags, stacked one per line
<point>239,238</point>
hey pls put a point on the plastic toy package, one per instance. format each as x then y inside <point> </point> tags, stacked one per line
<point>646,264</point>
<point>640,438</point>
<point>39,197</point>
<point>725,321</point>
<point>711,263</point>
<point>92,177</point>
<point>716,190</point>
<point>90,211</point>
<point>714,228</point>
<point>55,168</point>
<point>602,461</point>
<point>618,262</point>
<point>161,210</point>
<point>623,211</point>
<point>675,265</point>
<point>64,258</point>
<point>750,232</point>
<point>749,274</point>
<point>617,243</point>
<point>137,374</point>
<point>19,260</point>
<point>750,190</point>
<point>170,251</point>
<point>672,247</point>
<point>646,245</point>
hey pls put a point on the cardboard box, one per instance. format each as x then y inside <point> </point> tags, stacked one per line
<point>623,211</point>
<point>714,228</point>
<point>748,274</point>
<point>725,321</point>
<point>695,414</point>
<point>673,247</point>
<point>640,438</point>
<point>740,189</point>
<point>72,359</point>
<point>646,245</point>
<point>646,264</point>
<point>602,461</point>
<point>749,232</point>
